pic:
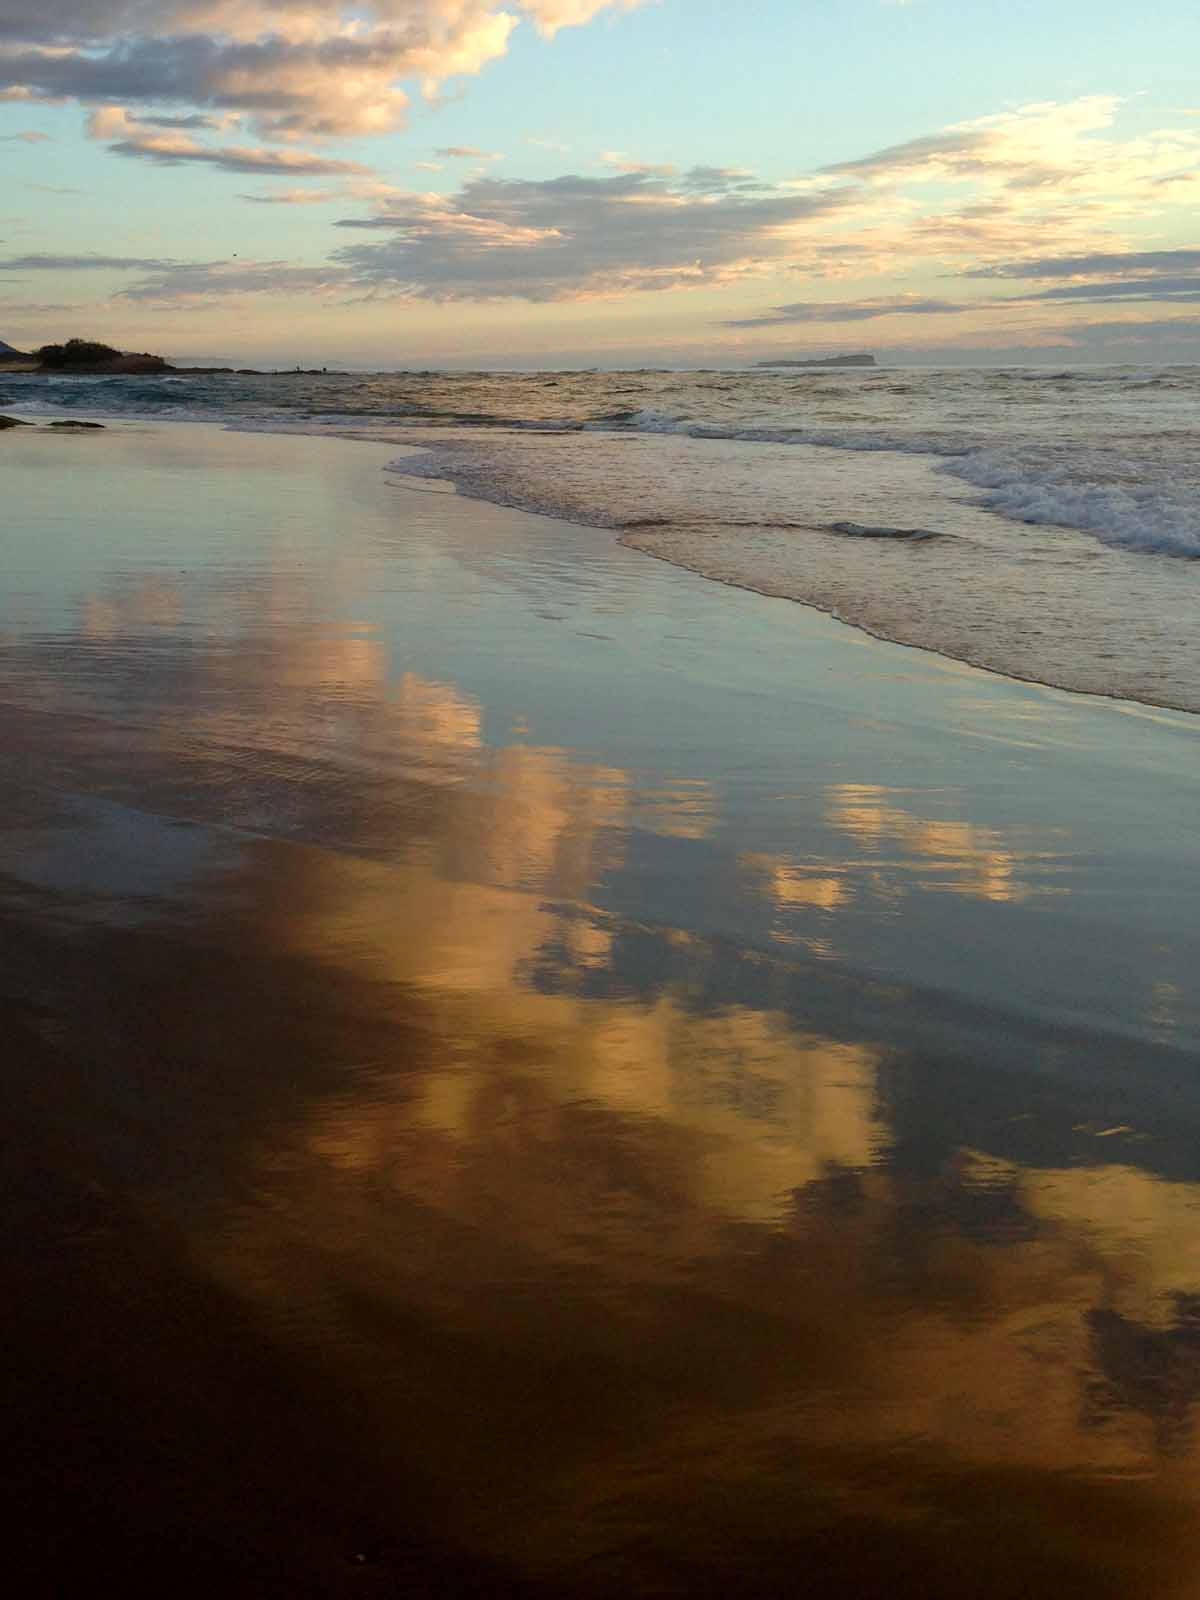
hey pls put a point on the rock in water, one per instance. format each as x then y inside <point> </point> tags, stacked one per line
<point>860,530</point>
<point>13,422</point>
<point>72,422</point>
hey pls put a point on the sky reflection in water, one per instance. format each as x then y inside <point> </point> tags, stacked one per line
<point>752,1132</point>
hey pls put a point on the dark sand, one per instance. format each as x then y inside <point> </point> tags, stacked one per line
<point>526,1072</point>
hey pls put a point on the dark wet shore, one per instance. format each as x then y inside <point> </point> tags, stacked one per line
<point>527,1073</point>
<point>657,1420</point>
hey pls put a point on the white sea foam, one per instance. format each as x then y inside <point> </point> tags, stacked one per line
<point>1122,503</point>
<point>1033,599</point>
<point>1154,507</point>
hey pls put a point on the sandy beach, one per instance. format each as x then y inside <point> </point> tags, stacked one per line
<point>533,1072</point>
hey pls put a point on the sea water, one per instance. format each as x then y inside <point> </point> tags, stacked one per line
<point>1042,523</point>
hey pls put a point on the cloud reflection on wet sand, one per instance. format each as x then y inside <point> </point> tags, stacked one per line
<point>588,1243</point>
<point>633,1290</point>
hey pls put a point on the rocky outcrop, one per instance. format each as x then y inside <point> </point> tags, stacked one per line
<point>862,530</point>
<point>85,355</point>
<point>72,424</point>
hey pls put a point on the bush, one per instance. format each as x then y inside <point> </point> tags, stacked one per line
<point>76,353</point>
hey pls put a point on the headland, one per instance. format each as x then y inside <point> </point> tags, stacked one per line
<point>88,357</point>
<point>861,360</point>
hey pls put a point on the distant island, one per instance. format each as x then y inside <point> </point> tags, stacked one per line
<point>822,361</point>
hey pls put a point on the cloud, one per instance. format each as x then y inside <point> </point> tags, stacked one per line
<point>551,15</point>
<point>1158,340</point>
<point>195,121</point>
<point>1154,288</point>
<point>1047,189</point>
<point>957,151</point>
<point>36,308</point>
<point>849,311</point>
<point>707,180</point>
<point>645,227</point>
<point>620,162</point>
<point>1180,289</point>
<point>297,67</point>
<point>29,136</point>
<point>1140,262</point>
<point>216,280</point>
<point>234,158</point>
<point>1184,292</point>
<point>1047,149</point>
<point>1045,143</point>
<point>1048,202</point>
<point>698,179</point>
<point>573,237</point>
<point>1163,276</point>
<point>295,197</point>
<point>81,263</point>
<point>963,199</point>
<point>183,281</point>
<point>466,152</point>
<point>1135,331</point>
<point>170,147</point>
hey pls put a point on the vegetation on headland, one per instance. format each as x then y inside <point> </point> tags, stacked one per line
<point>80,355</point>
<point>91,356</point>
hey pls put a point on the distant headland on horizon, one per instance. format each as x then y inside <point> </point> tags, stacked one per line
<point>89,356</point>
<point>863,360</point>
<point>81,355</point>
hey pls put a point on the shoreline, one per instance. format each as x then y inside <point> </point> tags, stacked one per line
<point>529,1072</point>
<point>641,542</point>
<point>932,677</point>
<point>1007,674</point>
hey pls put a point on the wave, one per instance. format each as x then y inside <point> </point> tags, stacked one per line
<point>859,530</point>
<point>1025,483</point>
<point>1134,515</point>
<point>650,420</point>
<point>1133,487</point>
<point>1105,375</point>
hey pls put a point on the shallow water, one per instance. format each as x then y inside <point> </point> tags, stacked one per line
<point>1048,603</point>
<point>638,1087</point>
<point>1064,504</point>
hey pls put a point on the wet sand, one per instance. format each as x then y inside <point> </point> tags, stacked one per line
<point>527,1072</point>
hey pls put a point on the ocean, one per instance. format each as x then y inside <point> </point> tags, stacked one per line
<point>1040,523</point>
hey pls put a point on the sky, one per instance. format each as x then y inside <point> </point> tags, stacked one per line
<point>406,183</point>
